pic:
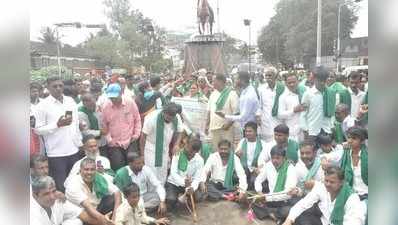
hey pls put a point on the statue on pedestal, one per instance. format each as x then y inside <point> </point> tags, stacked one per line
<point>205,17</point>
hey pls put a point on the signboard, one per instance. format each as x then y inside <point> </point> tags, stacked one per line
<point>194,113</point>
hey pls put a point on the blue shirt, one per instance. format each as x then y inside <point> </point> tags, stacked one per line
<point>248,105</point>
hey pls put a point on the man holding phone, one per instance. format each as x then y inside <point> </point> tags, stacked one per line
<point>57,122</point>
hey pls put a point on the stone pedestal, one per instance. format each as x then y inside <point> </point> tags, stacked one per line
<point>204,51</point>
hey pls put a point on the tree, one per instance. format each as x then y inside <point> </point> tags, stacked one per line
<point>48,36</point>
<point>290,36</point>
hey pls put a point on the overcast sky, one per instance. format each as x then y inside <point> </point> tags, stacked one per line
<point>171,14</point>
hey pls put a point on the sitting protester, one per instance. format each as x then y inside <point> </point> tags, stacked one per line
<point>46,209</point>
<point>338,203</point>
<point>225,171</point>
<point>92,192</point>
<point>282,180</point>
<point>185,172</point>
<point>132,211</point>
<point>152,191</point>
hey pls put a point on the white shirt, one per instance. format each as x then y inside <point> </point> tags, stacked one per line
<point>215,166</point>
<point>268,172</point>
<point>265,155</point>
<point>76,191</point>
<point>287,101</point>
<point>230,108</point>
<point>126,215</point>
<point>61,214</point>
<point>356,100</point>
<point>348,122</point>
<point>267,98</point>
<point>59,141</point>
<point>194,170</point>
<point>83,118</point>
<point>302,171</point>
<point>149,129</point>
<point>248,106</point>
<point>333,156</point>
<point>353,208</point>
<point>314,117</point>
<point>251,148</point>
<point>145,177</point>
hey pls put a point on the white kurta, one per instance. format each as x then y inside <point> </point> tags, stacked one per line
<point>354,209</point>
<point>61,214</point>
<point>251,149</point>
<point>268,122</point>
<point>149,129</point>
<point>194,170</point>
<point>287,101</point>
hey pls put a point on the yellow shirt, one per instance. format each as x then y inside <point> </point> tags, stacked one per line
<point>230,108</point>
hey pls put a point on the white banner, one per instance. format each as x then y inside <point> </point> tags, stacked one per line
<point>194,113</point>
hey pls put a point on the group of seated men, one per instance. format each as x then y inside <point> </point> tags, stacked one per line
<point>289,182</point>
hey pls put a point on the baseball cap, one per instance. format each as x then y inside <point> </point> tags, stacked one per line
<point>113,91</point>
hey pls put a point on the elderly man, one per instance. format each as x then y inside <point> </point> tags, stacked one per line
<point>92,192</point>
<point>159,130</point>
<point>47,209</point>
<point>343,122</point>
<point>120,117</point>
<point>57,122</point>
<point>267,112</point>
<point>336,200</point>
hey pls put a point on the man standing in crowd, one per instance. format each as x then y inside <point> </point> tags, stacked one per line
<point>122,120</point>
<point>248,102</point>
<point>290,107</point>
<point>57,122</point>
<point>161,128</point>
<point>356,94</point>
<point>343,122</point>
<point>222,99</point>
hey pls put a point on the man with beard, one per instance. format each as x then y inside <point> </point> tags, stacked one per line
<point>336,200</point>
<point>91,151</point>
<point>282,180</point>
<point>224,171</point>
<point>92,192</point>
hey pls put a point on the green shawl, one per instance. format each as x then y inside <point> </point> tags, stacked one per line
<point>337,216</point>
<point>91,117</point>
<point>160,138</point>
<point>344,94</point>
<point>205,151</point>
<point>348,170</point>
<point>122,178</point>
<point>300,91</point>
<point>329,102</point>
<point>279,90</point>
<point>100,186</point>
<point>282,175</point>
<point>292,149</point>
<point>183,161</point>
<point>228,180</point>
<point>222,99</point>
<point>257,152</point>
<point>365,117</point>
<point>338,133</point>
<point>311,172</point>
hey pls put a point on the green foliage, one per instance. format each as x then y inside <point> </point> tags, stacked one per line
<point>42,74</point>
<point>290,36</point>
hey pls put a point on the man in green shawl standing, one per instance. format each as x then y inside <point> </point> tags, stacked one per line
<point>161,129</point>
<point>343,122</point>
<point>225,172</point>
<point>337,202</point>
<point>185,172</point>
<point>320,104</point>
<point>92,192</point>
<point>281,177</point>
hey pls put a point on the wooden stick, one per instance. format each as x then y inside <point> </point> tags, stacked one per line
<point>194,214</point>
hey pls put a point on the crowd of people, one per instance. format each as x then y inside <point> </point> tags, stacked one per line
<point>117,150</point>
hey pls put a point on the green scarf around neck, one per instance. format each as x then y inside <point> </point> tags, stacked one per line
<point>222,99</point>
<point>329,102</point>
<point>160,138</point>
<point>100,186</point>
<point>300,91</point>
<point>279,89</point>
<point>122,178</point>
<point>91,117</point>
<point>338,133</point>
<point>343,92</point>
<point>282,175</point>
<point>205,151</point>
<point>337,216</point>
<point>348,170</point>
<point>311,172</point>
<point>228,180</point>
<point>183,161</point>
<point>292,150</point>
<point>365,101</point>
<point>257,152</point>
